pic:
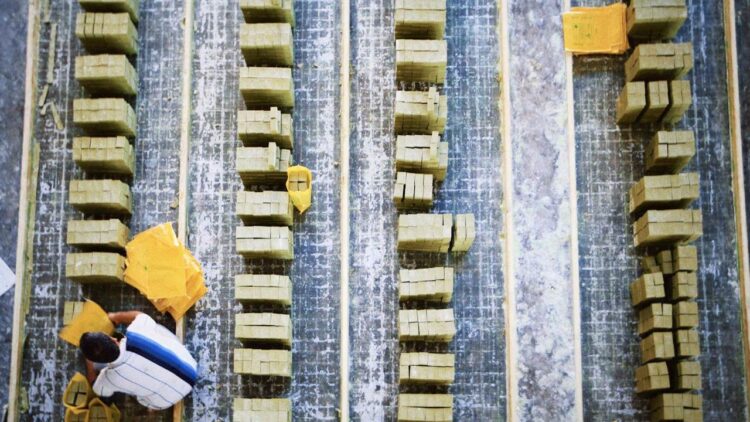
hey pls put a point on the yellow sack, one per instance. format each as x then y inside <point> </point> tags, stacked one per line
<point>116,415</point>
<point>299,186</point>
<point>76,415</point>
<point>100,412</point>
<point>596,30</point>
<point>155,263</point>
<point>78,393</point>
<point>91,319</point>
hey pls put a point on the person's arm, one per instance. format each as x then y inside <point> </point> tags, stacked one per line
<point>126,318</point>
<point>90,372</point>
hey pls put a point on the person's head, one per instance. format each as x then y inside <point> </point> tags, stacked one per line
<point>99,347</point>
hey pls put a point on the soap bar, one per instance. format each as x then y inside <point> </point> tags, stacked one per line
<point>101,234</point>
<point>113,155</point>
<point>427,368</point>
<point>266,207</point>
<point>267,44</point>
<point>433,284</point>
<point>263,165</point>
<point>421,60</point>
<point>104,116</point>
<point>669,152</point>
<point>263,288</point>
<point>422,154</point>
<point>106,74</point>
<point>436,325</point>
<point>262,410</point>
<point>95,267</point>
<point>263,328</point>
<point>259,127</point>
<point>420,19</point>
<point>266,362</point>
<point>655,19</point>
<point>100,196</point>
<point>265,87</point>
<point>265,242</point>
<point>413,190</point>
<point>263,11</point>
<point>425,407</point>
<point>112,33</point>
<point>420,112</point>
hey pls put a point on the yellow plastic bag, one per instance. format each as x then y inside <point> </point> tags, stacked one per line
<point>91,319</point>
<point>596,30</point>
<point>155,263</point>
<point>76,415</point>
<point>100,412</point>
<point>78,393</point>
<point>299,186</point>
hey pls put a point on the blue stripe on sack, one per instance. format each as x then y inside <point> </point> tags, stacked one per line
<point>161,356</point>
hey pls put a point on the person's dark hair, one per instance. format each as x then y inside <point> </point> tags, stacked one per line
<point>99,347</point>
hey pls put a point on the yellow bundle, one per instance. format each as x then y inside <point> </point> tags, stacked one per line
<point>92,318</point>
<point>596,30</point>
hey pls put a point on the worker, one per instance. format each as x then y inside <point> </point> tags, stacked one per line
<point>149,362</point>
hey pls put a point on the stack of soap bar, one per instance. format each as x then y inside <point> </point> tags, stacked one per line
<point>108,234</point>
<point>676,407</point>
<point>127,6</point>
<point>95,267</point>
<point>668,191</point>
<point>265,242</point>
<point>425,232</point>
<point>106,75</point>
<point>107,33</point>
<point>258,127</point>
<point>262,410</point>
<point>657,346</point>
<point>646,289</point>
<point>260,11</point>
<point>420,112</point>
<point>104,116</point>
<point>113,155</point>
<point>264,87</point>
<point>266,288</point>
<point>420,19</point>
<point>100,196</point>
<point>423,154</point>
<point>464,232</point>
<point>669,152</point>
<point>687,375</point>
<point>71,310</point>
<point>665,226</point>
<point>655,19</point>
<point>434,284</point>
<point>651,377</point>
<point>687,343</point>
<point>413,190</point>
<point>654,317</point>
<point>267,207</point>
<point>684,286</point>
<point>428,368</point>
<point>685,314</point>
<point>658,102</point>
<point>679,258</point>
<point>425,407</point>
<point>263,362</point>
<point>665,101</point>
<point>426,325</point>
<point>680,100</point>
<point>631,102</point>
<point>263,327</point>
<point>421,60</point>
<point>650,62</point>
<point>263,165</point>
<point>267,44</point>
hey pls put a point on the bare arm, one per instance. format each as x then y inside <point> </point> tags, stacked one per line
<point>123,317</point>
<point>90,372</point>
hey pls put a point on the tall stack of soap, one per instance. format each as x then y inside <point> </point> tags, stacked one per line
<point>107,30</point>
<point>664,296</point>
<point>265,129</point>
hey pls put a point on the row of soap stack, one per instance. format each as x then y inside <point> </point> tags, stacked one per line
<point>665,295</point>
<point>265,129</point>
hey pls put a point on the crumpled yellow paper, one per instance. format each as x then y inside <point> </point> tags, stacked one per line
<point>596,30</point>
<point>91,319</point>
<point>301,198</point>
<point>164,271</point>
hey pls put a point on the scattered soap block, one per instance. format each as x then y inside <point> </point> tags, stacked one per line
<point>413,190</point>
<point>267,207</point>
<point>422,154</point>
<point>420,112</point>
<point>262,410</point>
<point>263,165</point>
<point>631,103</point>
<point>657,103</point>
<point>106,234</point>
<point>433,284</point>
<point>111,33</point>
<point>104,116</point>
<point>464,233</point>
<point>106,74</point>
<point>669,152</point>
<point>654,317</point>
<point>263,362</point>
<point>100,197</point>
<point>264,328</point>
<point>425,232</point>
<point>646,289</point>
<point>684,286</point>
<point>421,60</point>
<point>427,368</point>
<point>655,19</point>
<point>679,258</point>
<point>650,62</point>
<point>268,11</point>
<point>264,87</point>
<point>267,44</point>
<point>657,346</point>
<point>112,6</point>
<point>259,127</point>
<point>426,325</point>
<point>680,100</point>
<point>662,226</point>
<point>265,242</point>
<point>95,267</point>
<point>685,314</point>
<point>71,310</point>
<point>420,19</point>
<point>676,407</point>
<point>265,288</point>
<point>112,155</point>
<point>687,343</point>
<point>651,377</point>
<point>668,191</point>
<point>425,407</point>
<point>687,374</point>
<point>649,265</point>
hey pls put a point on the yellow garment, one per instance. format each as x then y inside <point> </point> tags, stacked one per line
<point>301,199</point>
<point>596,30</point>
<point>91,319</point>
